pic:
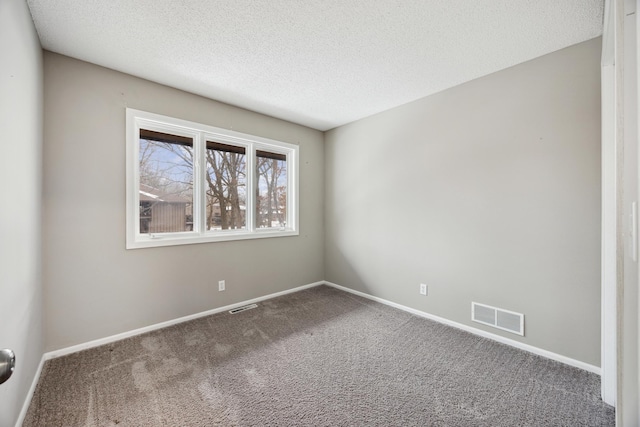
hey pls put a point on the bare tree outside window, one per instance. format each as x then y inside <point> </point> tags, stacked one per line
<point>166,183</point>
<point>193,183</point>
<point>271,197</point>
<point>227,187</point>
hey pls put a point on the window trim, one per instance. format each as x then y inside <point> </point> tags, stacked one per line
<point>137,119</point>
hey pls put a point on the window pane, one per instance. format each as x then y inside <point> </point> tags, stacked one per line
<point>271,200</point>
<point>226,187</point>
<point>166,183</point>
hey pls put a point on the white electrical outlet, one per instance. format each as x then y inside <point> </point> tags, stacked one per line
<point>221,285</point>
<point>423,289</point>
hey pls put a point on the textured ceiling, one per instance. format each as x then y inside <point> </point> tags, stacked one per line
<point>320,63</point>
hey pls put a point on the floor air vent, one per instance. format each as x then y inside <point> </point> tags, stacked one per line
<point>243,308</point>
<point>498,318</point>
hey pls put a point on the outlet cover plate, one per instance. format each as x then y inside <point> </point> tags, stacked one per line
<point>221,286</point>
<point>423,289</point>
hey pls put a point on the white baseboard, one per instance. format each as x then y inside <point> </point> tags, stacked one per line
<point>121,336</point>
<point>113,338</point>
<point>526,347</point>
<point>132,333</point>
<point>32,389</point>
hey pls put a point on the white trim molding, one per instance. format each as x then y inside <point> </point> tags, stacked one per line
<point>32,389</point>
<point>609,250</point>
<point>197,136</point>
<point>139,331</point>
<point>118,337</point>
<point>113,338</point>
<point>513,343</point>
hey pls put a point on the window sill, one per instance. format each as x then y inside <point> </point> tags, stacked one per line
<point>146,241</point>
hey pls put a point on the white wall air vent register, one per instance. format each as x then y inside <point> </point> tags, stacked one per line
<point>498,318</point>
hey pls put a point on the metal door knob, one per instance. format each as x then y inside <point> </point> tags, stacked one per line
<point>7,364</point>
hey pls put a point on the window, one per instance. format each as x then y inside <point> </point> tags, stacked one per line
<point>271,200</point>
<point>226,179</point>
<point>192,183</point>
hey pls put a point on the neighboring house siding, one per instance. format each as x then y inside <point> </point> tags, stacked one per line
<point>168,217</point>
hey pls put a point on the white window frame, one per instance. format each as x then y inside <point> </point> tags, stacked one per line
<point>200,133</point>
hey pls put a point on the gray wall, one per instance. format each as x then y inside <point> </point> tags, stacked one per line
<point>20,186</point>
<point>487,192</point>
<point>94,287</point>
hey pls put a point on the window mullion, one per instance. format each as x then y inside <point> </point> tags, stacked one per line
<point>293,190</point>
<point>251,193</point>
<point>134,187</point>
<point>290,191</point>
<point>199,187</point>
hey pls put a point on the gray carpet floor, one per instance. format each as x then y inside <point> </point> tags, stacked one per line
<point>318,357</point>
